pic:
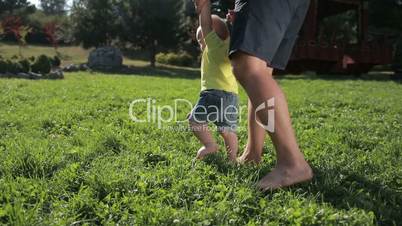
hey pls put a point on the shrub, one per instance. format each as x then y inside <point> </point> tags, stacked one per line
<point>32,59</point>
<point>42,65</point>
<point>25,65</point>
<point>11,67</point>
<point>3,66</point>
<point>17,67</point>
<point>14,66</point>
<point>56,61</point>
<point>8,66</point>
<point>161,58</point>
<point>179,59</point>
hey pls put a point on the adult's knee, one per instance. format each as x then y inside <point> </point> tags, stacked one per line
<point>239,66</point>
<point>239,72</point>
<point>246,67</point>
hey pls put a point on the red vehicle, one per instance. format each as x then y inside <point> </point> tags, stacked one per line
<point>325,46</point>
<point>335,39</point>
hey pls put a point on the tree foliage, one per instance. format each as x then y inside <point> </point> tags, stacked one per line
<point>53,7</point>
<point>339,28</point>
<point>10,7</point>
<point>13,25</point>
<point>385,17</point>
<point>221,8</point>
<point>39,21</point>
<point>151,23</point>
<point>386,14</point>
<point>94,22</point>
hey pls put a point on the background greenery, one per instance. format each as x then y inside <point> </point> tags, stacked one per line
<point>168,25</point>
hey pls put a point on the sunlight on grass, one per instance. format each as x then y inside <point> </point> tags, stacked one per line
<point>71,154</point>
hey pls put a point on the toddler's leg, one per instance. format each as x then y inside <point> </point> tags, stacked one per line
<point>203,134</point>
<point>231,144</point>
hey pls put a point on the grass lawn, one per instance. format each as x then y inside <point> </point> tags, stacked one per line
<point>70,155</point>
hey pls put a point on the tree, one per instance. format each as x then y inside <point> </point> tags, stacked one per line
<point>383,17</point>
<point>94,22</point>
<point>53,7</point>
<point>51,30</point>
<point>222,7</point>
<point>39,21</point>
<point>10,6</point>
<point>151,24</point>
<point>341,27</point>
<point>13,25</point>
<point>1,29</point>
<point>189,24</point>
<point>384,14</point>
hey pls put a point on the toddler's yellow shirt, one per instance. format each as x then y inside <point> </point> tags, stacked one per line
<point>216,70</point>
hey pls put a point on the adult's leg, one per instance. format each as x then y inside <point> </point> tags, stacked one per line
<point>257,80</point>
<point>256,136</point>
<point>203,134</point>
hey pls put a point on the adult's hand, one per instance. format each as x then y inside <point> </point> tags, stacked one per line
<point>230,16</point>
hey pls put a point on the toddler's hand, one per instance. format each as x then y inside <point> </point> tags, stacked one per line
<point>200,4</point>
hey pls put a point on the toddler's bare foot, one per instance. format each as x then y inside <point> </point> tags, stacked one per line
<point>250,157</point>
<point>284,176</point>
<point>232,157</point>
<point>207,150</point>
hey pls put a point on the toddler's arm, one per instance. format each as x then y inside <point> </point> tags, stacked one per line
<point>203,8</point>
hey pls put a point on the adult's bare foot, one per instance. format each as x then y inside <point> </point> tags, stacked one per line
<point>207,150</point>
<point>284,176</point>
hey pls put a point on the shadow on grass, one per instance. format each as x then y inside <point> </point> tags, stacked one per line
<point>194,73</point>
<point>219,161</point>
<point>346,190</point>
<point>341,189</point>
<point>158,71</point>
<point>373,76</point>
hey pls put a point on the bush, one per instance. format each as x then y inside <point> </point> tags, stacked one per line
<point>8,66</point>
<point>32,59</point>
<point>25,65</point>
<point>3,66</point>
<point>42,65</point>
<point>179,59</point>
<point>56,62</point>
<point>16,67</point>
<point>161,58</point>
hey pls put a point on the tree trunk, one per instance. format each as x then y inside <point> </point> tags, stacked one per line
<point>153,53</point>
